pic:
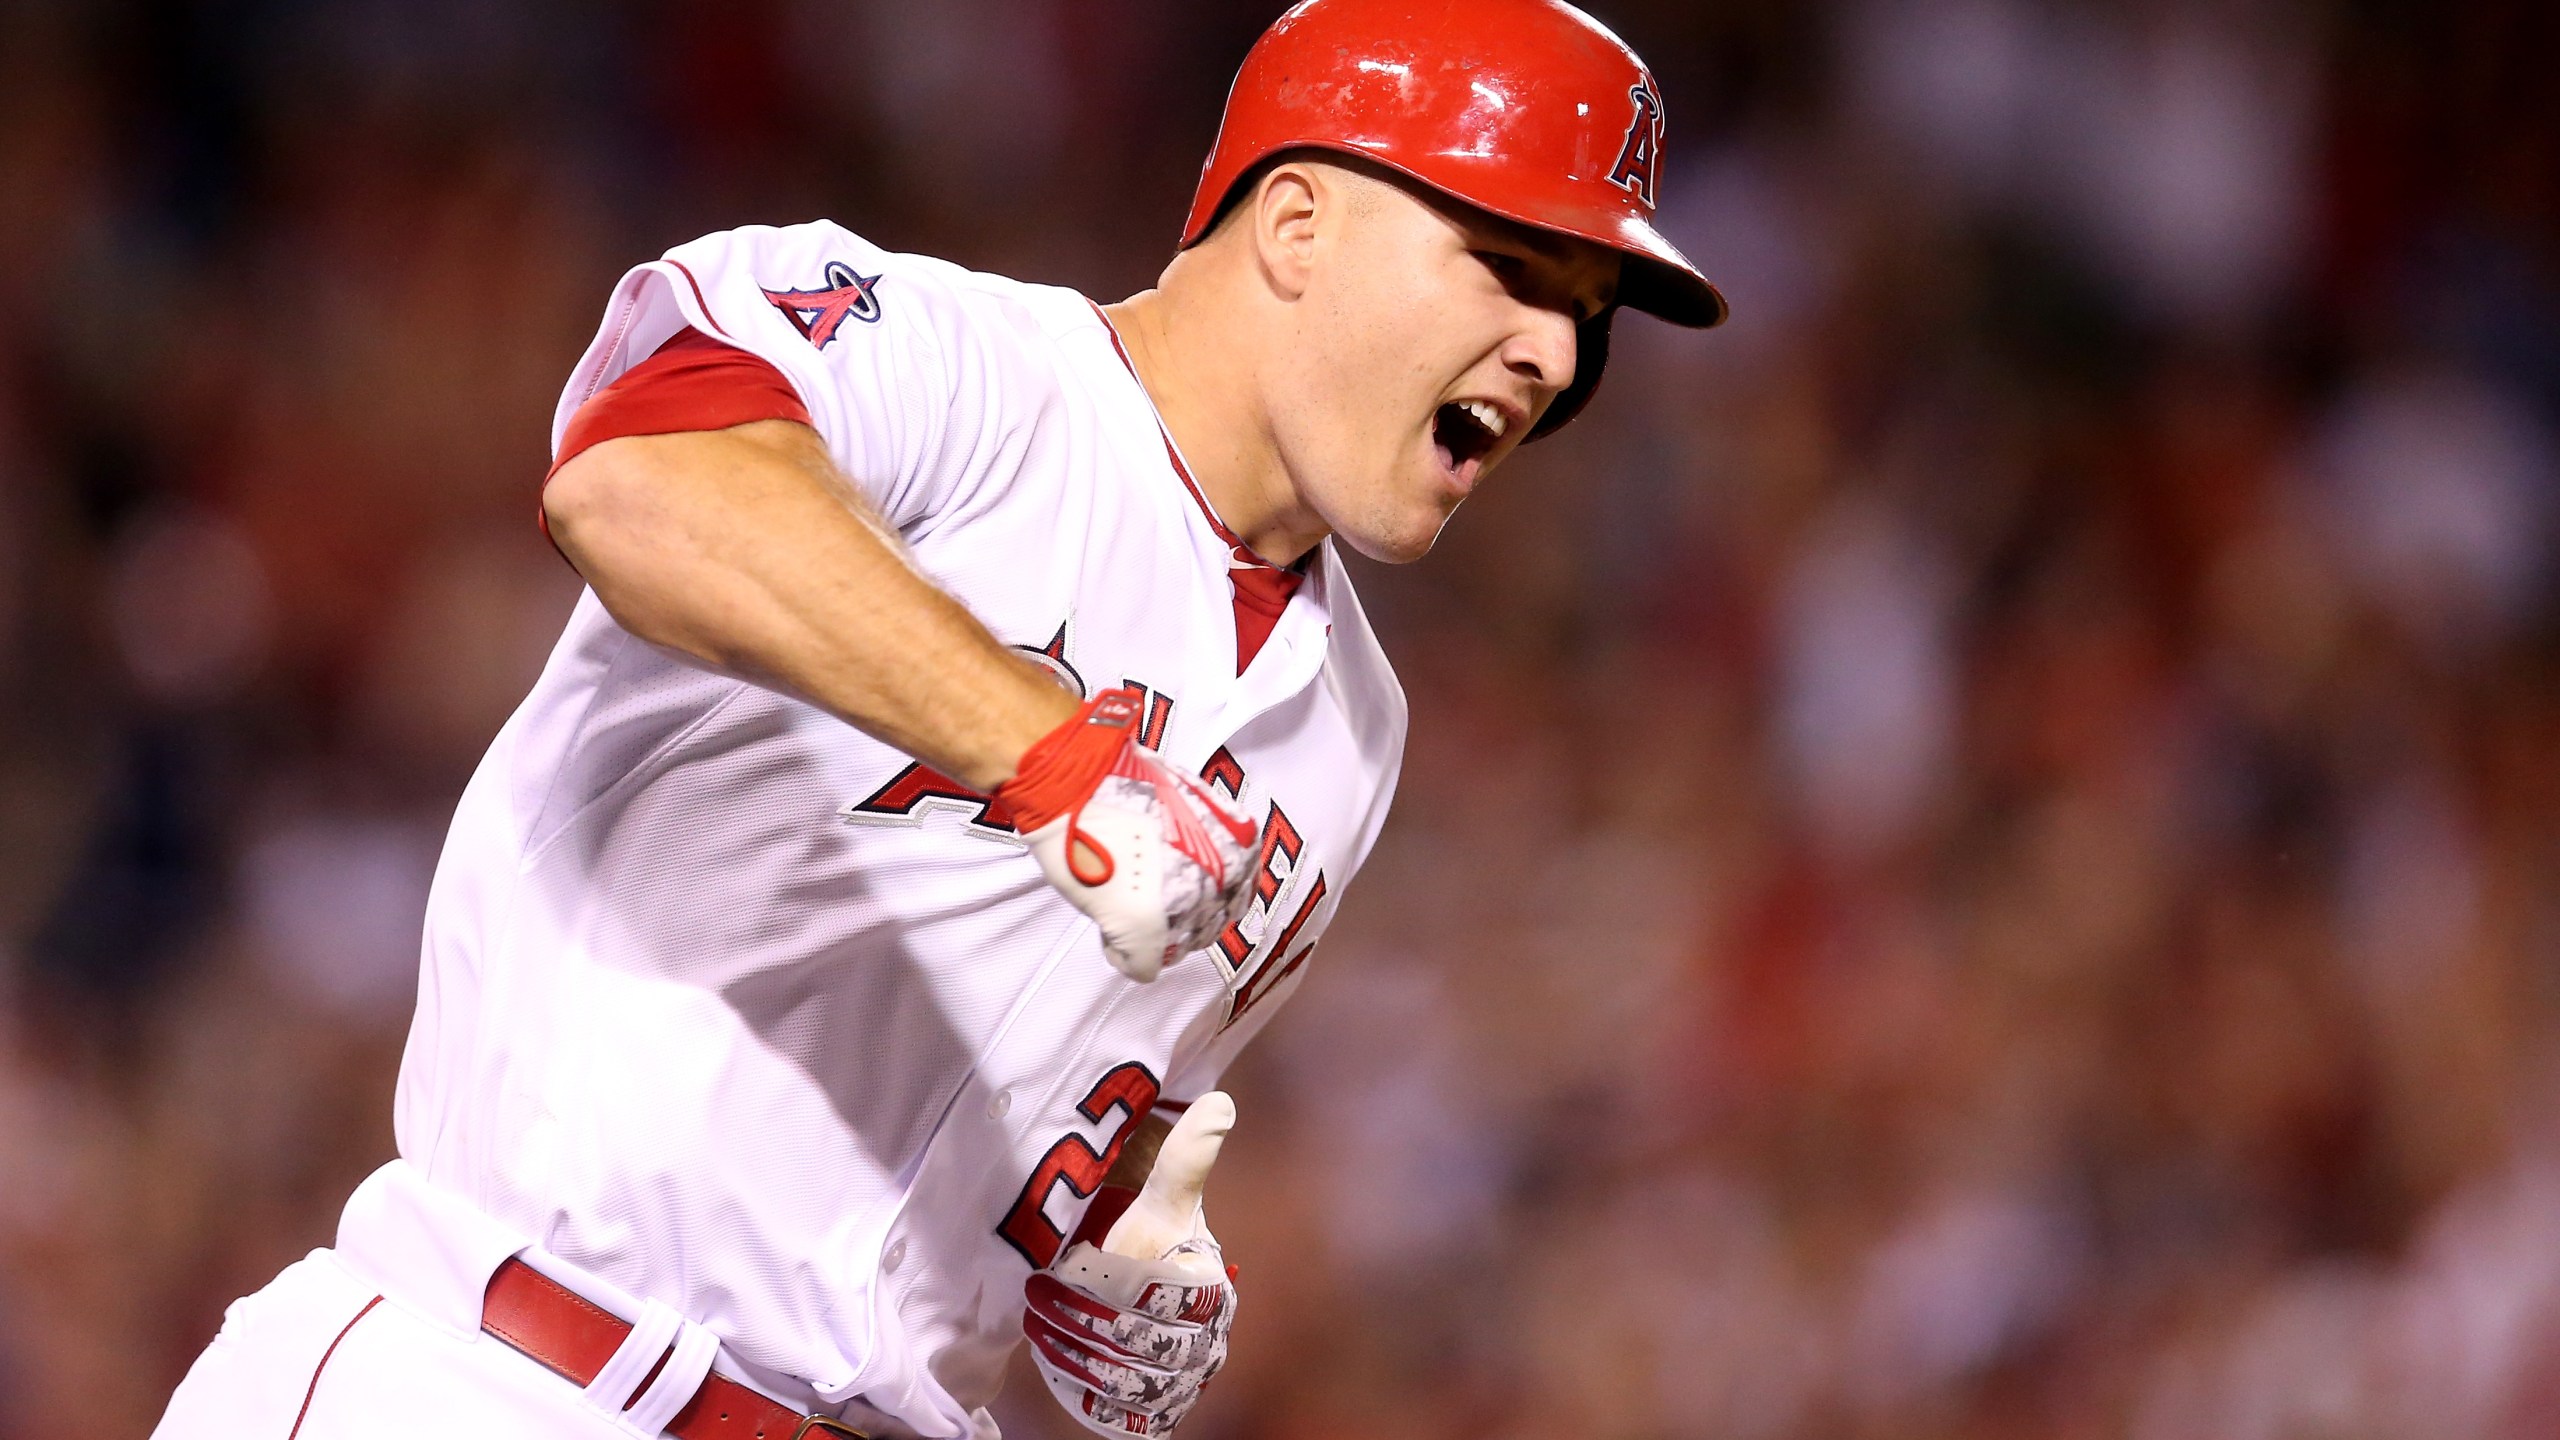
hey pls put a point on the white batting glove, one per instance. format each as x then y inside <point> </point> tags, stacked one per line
<point>1127,1335</point>
<point>1153,855</point>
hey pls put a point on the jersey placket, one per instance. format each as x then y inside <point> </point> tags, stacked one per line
<point>1299,638</point>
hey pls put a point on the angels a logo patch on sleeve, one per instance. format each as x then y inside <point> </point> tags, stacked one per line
<point>819,313</point>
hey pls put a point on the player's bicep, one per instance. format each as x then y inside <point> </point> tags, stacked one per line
<point>685,535</point>
<point>634,486</point>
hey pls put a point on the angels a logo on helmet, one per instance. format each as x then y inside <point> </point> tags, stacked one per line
<point>819,313</point>
<point>1640,154</point>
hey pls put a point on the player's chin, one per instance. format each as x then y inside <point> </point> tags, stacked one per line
<point>1399,538</point>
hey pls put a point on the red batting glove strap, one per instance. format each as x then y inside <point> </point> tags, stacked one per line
<point>1061,769</point>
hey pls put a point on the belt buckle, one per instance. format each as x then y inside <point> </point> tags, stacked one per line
<point>823,1424</point>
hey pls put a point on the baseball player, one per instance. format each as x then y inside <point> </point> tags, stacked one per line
<point>965,740</point>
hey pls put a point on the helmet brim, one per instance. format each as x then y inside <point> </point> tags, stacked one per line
<point>1660,281</point>
<point>1656,279</point>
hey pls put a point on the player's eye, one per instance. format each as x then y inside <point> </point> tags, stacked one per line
<point>1513,271</point>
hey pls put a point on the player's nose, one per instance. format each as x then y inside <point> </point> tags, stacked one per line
<point>1542,349</point>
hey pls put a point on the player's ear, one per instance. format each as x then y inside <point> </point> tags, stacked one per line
<point>1286,207</point>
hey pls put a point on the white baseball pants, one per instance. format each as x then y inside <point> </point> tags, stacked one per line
<point>380,1338</point>
<point>322,1355</point>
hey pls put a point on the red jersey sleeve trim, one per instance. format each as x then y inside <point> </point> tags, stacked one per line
<point>693,382</point>
<point>700,303</point>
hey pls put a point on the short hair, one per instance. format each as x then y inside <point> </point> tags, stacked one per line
<point>1364,201</point>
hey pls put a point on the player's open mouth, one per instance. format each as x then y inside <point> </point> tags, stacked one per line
<point>1465,432</point>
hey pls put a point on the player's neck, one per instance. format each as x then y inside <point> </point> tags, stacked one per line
<point>1204,385</point>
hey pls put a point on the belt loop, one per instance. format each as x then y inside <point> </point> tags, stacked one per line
<point>650,1336</point>
<point>677,1380</point>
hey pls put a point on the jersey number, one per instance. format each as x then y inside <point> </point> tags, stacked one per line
<point>1130,1087</point>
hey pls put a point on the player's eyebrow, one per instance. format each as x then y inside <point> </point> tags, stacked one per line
<point>1589,297</point>
<point>1558,250</point>
<point>1552,247</point>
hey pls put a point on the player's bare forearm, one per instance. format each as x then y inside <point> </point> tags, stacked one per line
<point>746,549</point>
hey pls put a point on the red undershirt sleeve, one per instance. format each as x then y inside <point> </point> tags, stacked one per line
<point>692,382</point>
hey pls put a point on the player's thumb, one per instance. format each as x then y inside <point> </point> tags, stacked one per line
<point>1167,1210</point>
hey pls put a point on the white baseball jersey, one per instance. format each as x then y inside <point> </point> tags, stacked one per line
<point>739,1009</point>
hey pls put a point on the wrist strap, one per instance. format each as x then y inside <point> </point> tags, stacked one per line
<point>1061,769</point>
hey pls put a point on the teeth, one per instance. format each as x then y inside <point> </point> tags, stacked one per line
<point>1487,416</point>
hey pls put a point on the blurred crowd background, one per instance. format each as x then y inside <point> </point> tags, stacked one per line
<point>1978,852</point>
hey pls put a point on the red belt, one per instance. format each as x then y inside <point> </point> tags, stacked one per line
<point>573,1338</point>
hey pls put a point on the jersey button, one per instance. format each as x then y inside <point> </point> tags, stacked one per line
<point>999,1103</point>
<point>896,1257</point>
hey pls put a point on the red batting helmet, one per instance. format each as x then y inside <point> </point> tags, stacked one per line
<point>1526,109</point>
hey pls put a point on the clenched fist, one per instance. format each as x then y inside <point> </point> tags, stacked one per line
<point>1156,858</point>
